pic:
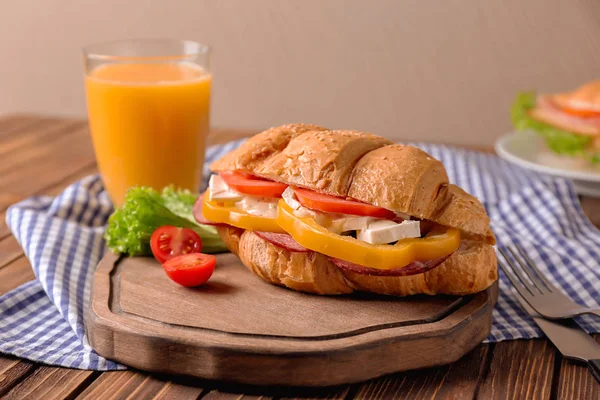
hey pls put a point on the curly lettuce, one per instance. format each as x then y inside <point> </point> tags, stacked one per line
<point>130,227</point>
<point>558,140</point>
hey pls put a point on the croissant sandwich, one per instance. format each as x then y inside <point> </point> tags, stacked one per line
<point>333,212</point>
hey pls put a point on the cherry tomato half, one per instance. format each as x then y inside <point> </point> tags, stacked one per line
<point>169,241</point>
<point>252,185</point>
<point>190,269</point>
<point>326,203</point>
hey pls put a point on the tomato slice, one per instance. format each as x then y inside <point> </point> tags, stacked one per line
<point>169,241</point>
<point>564,105</point>
<point>190,269</point>
<point>326,203</point>
<point>252,185</point>
<point>578,112</point>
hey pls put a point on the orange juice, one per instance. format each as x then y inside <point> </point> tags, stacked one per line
<point>148,123</point>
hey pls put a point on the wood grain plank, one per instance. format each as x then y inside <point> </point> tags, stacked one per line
<point>133,385</point>
<point>575,382</point>
<point>314,394</point>
<point>591,208</point>
<point>13,371</point>
<point>113,385</point>
<point>139,385</point>
<point>38,133</point>
<point>149,388</point>
<point>4,231</point>
<point>457,380</point>
<point>466,375</point>
<point>10,250</point>
<point>15,274</point>
<point>172,390</point>
<point>225,391</point>
<point>51,383</point>
<point>220,395</point>
<point>65,133</point>
<point>520,369</point>
<point>8,122</point>
<point>51,165</point>
<point>12,126</point>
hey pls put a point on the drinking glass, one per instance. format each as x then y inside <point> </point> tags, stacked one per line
<point>148,105</point>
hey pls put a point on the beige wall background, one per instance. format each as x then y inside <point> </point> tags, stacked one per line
<point>431,70</point>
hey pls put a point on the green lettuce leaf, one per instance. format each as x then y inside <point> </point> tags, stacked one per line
<point>558,140</point>
<point>145,209</point>
<point>180,202</point>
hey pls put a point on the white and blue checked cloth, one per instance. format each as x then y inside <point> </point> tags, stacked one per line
<point>62,237</point>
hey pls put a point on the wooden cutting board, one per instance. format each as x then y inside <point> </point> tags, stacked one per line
<point>239,328</point>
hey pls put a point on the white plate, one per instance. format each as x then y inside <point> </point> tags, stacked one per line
<point>527,150</point>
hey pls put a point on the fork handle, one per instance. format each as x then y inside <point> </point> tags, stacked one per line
<point>594,366</point>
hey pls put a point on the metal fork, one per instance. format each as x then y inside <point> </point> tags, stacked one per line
<point>542,296</point>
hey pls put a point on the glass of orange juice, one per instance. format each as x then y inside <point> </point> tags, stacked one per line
<point>148,106</point>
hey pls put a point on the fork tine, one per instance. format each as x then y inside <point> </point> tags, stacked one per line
<point>536,282</point>
<point>517,271</point>
<point>514,280</point>
<point>539,273</point>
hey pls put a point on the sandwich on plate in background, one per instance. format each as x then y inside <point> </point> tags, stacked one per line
<point>332,212</point>
<point>569,122</point>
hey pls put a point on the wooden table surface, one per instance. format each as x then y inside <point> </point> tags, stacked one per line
<point>42,155</point>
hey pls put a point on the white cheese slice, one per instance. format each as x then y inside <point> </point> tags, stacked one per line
<point>258,206</point>
<point>290,198</point>
<point>350,223</point>
<point>304,212</point>
<point>218,190</point>
<point>385,231</point>
<point>321,218</point>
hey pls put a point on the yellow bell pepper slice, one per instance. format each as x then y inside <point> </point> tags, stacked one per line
<point>228,214</point>
<point>313,236</point>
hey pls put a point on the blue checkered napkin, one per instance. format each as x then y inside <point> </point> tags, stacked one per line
<point>542,215</point>
<point>62,237</point>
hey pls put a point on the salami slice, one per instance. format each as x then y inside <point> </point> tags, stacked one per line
<point>282,240</point>
<point>414,268</point>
